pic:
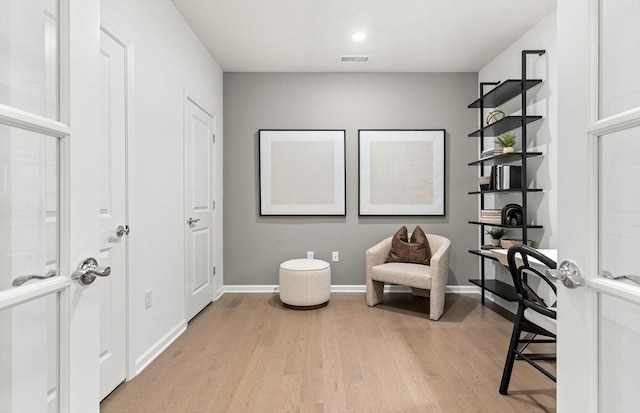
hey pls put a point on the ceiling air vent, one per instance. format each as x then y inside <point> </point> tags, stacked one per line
<point>354,59</point>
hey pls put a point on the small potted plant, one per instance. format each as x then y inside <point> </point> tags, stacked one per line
<point>496,235</point>
<point>507,141</point>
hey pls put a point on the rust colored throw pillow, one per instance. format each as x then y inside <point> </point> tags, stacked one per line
<point>416,250</point>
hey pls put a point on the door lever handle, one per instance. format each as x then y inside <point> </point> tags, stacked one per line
<point>120,231</point>
<point>569,273</point>
<point>88,270</point>
<point>192,221</point>
<point>630,277</point>
<point>18,281</point>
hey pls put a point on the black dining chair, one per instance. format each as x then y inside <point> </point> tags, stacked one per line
<point>535,315</point>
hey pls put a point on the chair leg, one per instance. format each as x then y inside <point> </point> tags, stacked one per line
<point>511,355</point>
<point>375,290</point>
<point>436,306</point>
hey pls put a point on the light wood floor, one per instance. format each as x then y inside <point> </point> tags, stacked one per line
<point>246,353</point>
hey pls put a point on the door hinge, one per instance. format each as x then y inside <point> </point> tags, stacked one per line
<point>213,205</point>
<point>213,138</point>
<point>214,270</point>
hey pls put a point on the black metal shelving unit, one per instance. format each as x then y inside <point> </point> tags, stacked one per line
<point>501,93</point>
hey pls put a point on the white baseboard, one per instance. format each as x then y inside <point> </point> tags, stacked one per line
<point>358,288</point>
<point>463,289</point>
<point>161,345</point>
<point>218,293</point>
<point>250,288</point>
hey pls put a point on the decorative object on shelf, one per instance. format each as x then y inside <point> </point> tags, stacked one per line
<point>512,214</point>
<point>505,177</point>
<point>401,172</point>
<point>494,116</point>
<point>302,172</point>
<point>508,243</point>
<point>496,235</point>
<point>484,182</point>
<point>506,141</point>
<point>491,216</point>
<point>487,153</point>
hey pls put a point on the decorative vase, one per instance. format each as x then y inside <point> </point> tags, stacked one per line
<point>495,242</point>
<point>508,149</point>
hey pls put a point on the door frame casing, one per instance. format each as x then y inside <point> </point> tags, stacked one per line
<point>127,44</point>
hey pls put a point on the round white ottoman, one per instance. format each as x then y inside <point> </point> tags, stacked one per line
<point>305,283</point>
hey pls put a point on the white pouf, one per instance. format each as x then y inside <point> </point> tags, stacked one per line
<point>305,282</point>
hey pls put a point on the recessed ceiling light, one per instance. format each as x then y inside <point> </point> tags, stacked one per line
<point>359,36</point>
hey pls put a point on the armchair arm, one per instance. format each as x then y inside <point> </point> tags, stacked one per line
<point>440,263</point>
<point>377,255</point>
<point>442,253</point>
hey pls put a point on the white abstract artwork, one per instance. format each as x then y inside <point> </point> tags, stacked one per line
<point>402,172</point>
<point>302,172</point>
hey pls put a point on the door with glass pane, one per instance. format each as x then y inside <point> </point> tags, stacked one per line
<point>48,204</point>
<point>599,205</point>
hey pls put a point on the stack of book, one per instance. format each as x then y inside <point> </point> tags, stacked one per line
<point>487,153</point>
<point>506,177</point>
<point>491,216</point>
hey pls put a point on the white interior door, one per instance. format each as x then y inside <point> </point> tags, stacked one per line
<point>48,205</point>
<point>599,204</point>
<point>113,225</point>
<point>199,136</point>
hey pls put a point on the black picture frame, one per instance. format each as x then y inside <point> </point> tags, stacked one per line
<point>402,172</point>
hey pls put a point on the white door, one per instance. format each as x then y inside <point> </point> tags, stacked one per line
<point>199,135</point>
<point>599,204</point>
<point>113,225</point>
<point>48,204</point>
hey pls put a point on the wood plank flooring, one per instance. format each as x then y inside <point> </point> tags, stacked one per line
<point>247,353</point>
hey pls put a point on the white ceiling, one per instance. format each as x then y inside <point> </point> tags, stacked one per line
<point>402,35</point>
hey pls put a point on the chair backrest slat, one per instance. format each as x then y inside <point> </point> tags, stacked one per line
<point>520,274</point>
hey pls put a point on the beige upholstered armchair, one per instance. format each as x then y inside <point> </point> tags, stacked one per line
<point>420,277</point>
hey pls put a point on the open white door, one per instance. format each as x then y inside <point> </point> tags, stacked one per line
<point>599,204</point>
<point>199,138</point>
<point>114,230</point>
<point>48,205</point>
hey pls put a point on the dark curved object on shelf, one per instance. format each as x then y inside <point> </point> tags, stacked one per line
<point>512,214</point>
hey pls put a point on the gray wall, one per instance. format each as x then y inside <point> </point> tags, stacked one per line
<point>254,246</point>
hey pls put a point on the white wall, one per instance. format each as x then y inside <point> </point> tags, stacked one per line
<point>541,135</point>
<point>168,58</point>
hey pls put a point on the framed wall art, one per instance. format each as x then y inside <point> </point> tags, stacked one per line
<point>401,172</point>
<point>302,172</point>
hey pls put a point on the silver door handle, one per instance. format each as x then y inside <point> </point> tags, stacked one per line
<point>120,231</point>
<point>18,281</point>
<point>192,221</point>
<point>630,277</point>
<point>88,270</point>
<point>569,273</point>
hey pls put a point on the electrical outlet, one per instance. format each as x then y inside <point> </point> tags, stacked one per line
<point>147,299</point>
<point>335,256</point>
<point>309,255</point>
